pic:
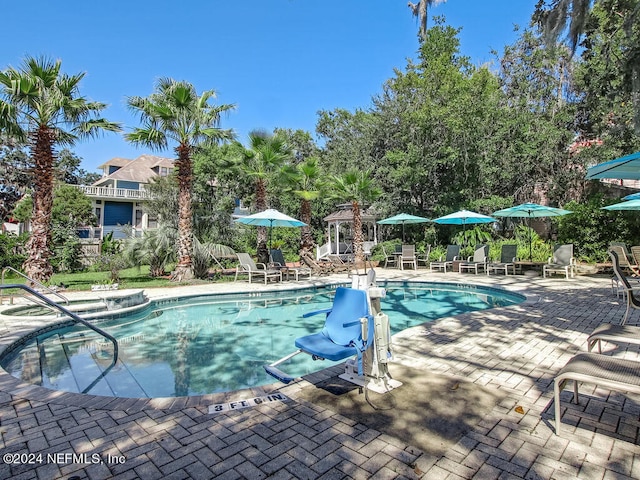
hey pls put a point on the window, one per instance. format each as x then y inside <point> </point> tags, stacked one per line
<point>138,223</point>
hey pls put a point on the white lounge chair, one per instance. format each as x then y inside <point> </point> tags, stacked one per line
<point>248,266</point>
<point>613,373</point>
<point>478,261</point>
<point>562,261</point>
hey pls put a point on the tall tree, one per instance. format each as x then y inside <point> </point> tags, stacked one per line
<point>176,113</point>
<point>42,106</point>
<point>420,10</point>
<point>576,18</point>
<point>264,157</point>
<point>358,188</point>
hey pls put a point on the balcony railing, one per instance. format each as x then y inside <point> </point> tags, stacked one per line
<point>109,192</point>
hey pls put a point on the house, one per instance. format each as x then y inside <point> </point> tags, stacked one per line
<point>118,196</point>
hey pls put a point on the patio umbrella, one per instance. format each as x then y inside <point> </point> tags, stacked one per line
<point>464,217</point>
<point>530,210</point>
<point>402,219</point>
<point>270,218</point>
<point>633,196</point>
<point>628,205</point>
<point>627,167</point>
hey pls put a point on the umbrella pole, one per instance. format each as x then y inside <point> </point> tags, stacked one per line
<point>530,241</point>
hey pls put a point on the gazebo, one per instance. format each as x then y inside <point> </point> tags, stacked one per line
<point>340,232</point>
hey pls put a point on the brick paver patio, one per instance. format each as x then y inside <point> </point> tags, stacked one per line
<point>517,350</point>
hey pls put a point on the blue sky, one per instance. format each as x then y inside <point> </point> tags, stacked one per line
<point>278,61</point>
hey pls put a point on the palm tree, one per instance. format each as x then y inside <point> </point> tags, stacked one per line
<point>264,157</point>
<point>420,10</point>
<point>175,112</point>
<point>43,107</point>
<point>358,188</point>
<point>305,181</point>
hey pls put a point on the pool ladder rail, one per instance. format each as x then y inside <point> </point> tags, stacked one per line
<point>75,319</point>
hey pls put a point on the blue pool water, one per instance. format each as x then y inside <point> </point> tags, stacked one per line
<point>216,343</point>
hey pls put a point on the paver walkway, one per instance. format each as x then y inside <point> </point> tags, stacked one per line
<point>518,350</point>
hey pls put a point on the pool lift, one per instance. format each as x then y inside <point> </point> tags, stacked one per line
<point>355,327</point>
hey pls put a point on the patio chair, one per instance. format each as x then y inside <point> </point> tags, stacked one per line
<point>478,261</point>
<point>562,261</point>
<point>632,301</point>
<point>625,258</point>
<point>612,333</point>
<point>408,256</point>
<point>347,331</point>
<point>612,373</point>
<point>508,257</point>
<point>423,257</point>
<point>248,266</point>
<point>443,262</point>
<point>389,259</point>
<point>625,263</point>
<point>278,262</point>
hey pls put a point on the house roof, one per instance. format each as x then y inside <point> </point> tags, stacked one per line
<point>137,170</point>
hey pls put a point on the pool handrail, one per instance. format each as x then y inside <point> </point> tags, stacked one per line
<point>74,317</point>
<point>34,282</point>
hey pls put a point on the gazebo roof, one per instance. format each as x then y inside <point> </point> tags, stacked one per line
<point>345,214</point>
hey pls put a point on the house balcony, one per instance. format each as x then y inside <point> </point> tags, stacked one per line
<point>110,192</point>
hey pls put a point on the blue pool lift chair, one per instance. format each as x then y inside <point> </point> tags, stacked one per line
<point>347,332</point>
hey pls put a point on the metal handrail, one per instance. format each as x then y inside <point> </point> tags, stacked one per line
<point>72,315</point>
<point>34,282</point>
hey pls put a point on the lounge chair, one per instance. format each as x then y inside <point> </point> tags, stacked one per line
<point>632,301</point>
<point>443,262</point>
<point>423,257</point>
<point>248,266</point>
<point>478,261</point>
<point>625,260</point>
<point>278,263</point>
<point>342,334</point>
<point>508,257</point>
<point>408,256</point>
<point>609,332</point>
<point>389,259</point>
<point>608,372</point>
<point>562,261</point>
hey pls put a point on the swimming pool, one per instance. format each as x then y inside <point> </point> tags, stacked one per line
<point>215,343</point>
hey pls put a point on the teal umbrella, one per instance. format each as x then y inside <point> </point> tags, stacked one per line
<point>270,218</point>
<point>530,210</point>
<point>628,205</point>
<point>402,219</point>
<point>627,167</point>
<point>633,196</point>
<point>464,217</point>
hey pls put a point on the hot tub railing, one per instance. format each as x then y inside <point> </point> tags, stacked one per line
<point>74,317</point>
<point>33,282</point>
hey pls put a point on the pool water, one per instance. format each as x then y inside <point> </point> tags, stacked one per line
<point>215,344</point>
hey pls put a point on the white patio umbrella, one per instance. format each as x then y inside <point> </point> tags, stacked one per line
<point>270,218</point>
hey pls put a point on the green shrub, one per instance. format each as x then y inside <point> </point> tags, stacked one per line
<point>12,252</point>
<point>591,229</point>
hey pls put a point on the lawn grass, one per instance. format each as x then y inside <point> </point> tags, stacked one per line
<point>136,277</point>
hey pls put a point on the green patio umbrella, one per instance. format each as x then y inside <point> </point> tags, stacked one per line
<point>530,210</point>
<point>402,219</point>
